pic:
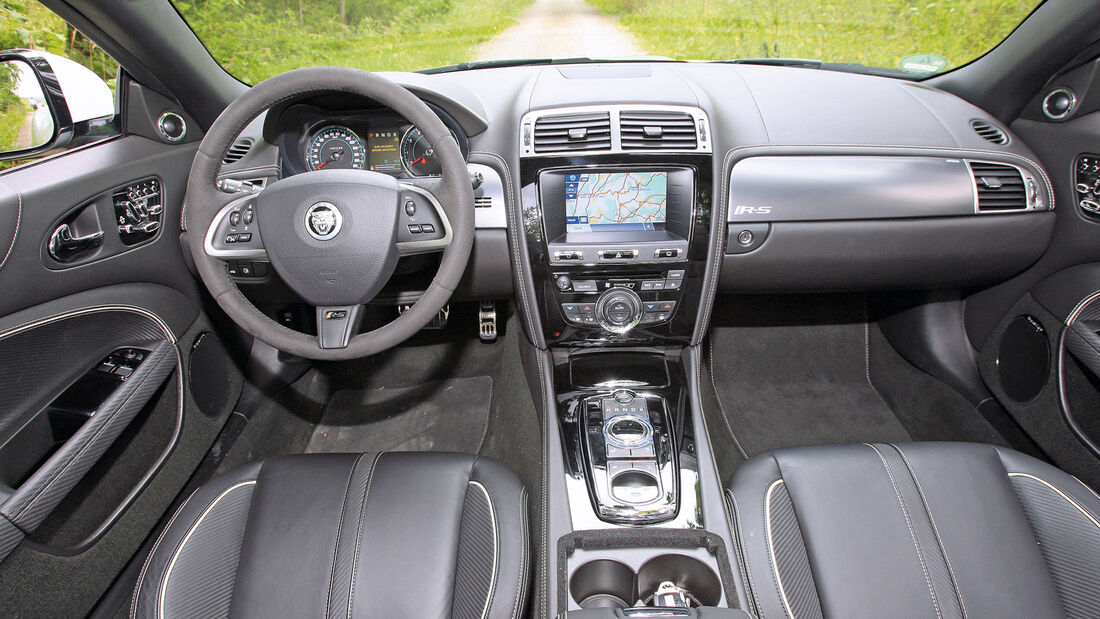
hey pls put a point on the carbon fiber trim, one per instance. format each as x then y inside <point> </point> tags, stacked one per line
<point>45,488</point>
<point>1069,538</point>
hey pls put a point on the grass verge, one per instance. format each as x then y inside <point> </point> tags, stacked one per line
<point>872,32</point>
<point>253,45</point>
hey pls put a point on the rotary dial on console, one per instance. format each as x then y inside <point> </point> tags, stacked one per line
<point>618,310</point>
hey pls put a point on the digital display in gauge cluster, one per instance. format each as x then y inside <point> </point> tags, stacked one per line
<point>390,147</point>
<point>384,150</point>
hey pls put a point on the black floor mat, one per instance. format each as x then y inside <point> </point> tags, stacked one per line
<point>790,375</point>
<point>445,415</point>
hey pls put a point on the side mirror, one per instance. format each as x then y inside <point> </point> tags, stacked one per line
<point>48,102</point>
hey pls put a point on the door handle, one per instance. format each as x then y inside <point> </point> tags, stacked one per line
<point>65,247</point>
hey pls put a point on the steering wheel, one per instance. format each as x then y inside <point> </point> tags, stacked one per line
<point>332,235</point>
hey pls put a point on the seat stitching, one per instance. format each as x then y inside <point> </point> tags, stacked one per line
<point>496,548</point>
<point>187,537</point>
<point>359,532</point>
<point>523,552</point>
<point>152,552</point>
<point>1084,512</point>
<point>771,548</point>
<point>743,563</point>
<point>339,530</point>
<point>935,529</point>
<point>912,533</point>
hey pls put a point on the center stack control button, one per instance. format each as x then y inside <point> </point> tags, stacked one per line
<point>618,310</point>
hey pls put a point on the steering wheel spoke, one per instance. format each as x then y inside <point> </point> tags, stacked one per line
<point>234,234</point>
<point>337,324</point>
<point>423,226</point>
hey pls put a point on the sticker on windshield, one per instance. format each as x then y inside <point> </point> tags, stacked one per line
<point>924,63</point>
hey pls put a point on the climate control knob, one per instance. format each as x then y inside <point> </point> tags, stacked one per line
<point>618,310</point>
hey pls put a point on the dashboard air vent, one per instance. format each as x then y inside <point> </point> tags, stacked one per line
<point>237,152</point>
<point>657,131</point>
<point>989,132</point>
<point>587,131</point>
<point>1000,187</point>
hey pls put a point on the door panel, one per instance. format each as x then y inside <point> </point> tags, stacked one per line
<point>79,495</point>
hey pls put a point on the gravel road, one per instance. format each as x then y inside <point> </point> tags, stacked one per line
<point>561,29</point>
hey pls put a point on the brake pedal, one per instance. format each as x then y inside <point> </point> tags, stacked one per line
<point>440,320</point>
<point>487,319</point>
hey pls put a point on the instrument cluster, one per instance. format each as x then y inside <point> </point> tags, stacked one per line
<point>313,138</point>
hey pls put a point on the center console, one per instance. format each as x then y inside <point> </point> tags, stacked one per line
<point>616,226</point>
<point>618,251</point>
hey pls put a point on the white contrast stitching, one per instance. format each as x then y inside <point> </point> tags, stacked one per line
<point>359,532</point>
<point>912,533</point>
<point>496,549</point>
<point>935,529</point>
<point>18,221</point>
<point>187,537</point>
<point>771,547</point>
<point>1084,512</point>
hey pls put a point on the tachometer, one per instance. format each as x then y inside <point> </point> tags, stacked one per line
<point>418,156</point>
<point>335,147</point>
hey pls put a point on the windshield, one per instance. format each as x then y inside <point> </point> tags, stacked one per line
<point>255,39</point>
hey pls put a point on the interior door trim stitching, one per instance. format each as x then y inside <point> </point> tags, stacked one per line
<point>771,547</point>
<point>94,309</point>
<point>912,533</point>
<point>18,222</point>
<point>194,527</point>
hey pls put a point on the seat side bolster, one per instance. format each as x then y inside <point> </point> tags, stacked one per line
<point>152,581</point>
<point>1064,516</point>
<point>499,487</point>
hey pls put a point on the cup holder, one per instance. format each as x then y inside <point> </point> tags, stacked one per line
<point>686,572</point>
<point>603,583</point>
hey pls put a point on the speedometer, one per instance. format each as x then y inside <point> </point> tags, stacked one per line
<point>418,155</point>
<point>335,147</point>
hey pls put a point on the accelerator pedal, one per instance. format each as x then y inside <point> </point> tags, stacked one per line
<point>487,321</point>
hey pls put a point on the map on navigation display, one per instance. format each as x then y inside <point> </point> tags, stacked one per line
<point>615,201</point>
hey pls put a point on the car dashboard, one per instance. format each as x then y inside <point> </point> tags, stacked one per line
<point>778,179</point>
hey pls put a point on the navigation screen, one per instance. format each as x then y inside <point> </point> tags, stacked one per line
<point>613,202</point>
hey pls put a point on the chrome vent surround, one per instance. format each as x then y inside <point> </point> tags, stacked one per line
<point>585,131</point>
<point>644,130</point>
<point>623,128</point>
<point>1001,187</point>
<point>989,132</point>
<point>237,151</point>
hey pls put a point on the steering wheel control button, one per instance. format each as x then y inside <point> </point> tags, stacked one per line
<point>410,208</point>
<point>323,221</point>
<point>414,228</point>
<point>231,238</point>
<point>235,218</point>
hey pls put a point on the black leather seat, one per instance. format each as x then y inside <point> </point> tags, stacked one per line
<point>915,530</point>
<point>345,535</point>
